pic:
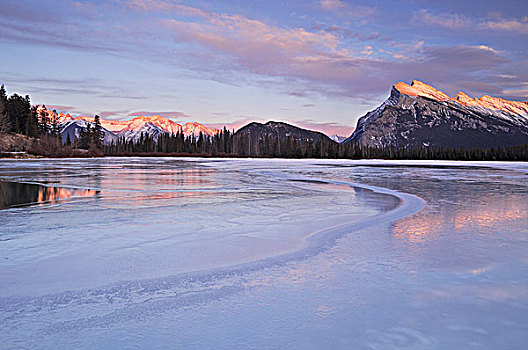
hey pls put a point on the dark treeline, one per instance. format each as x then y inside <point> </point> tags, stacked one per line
<point>17,116</point>
<point>37,123</point>
<point>229,144</point>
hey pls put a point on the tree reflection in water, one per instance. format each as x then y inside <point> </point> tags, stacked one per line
<point>15,194</point>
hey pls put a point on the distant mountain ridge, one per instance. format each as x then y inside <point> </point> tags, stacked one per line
<point>281,139</point>
<point>257,131</point>
<point>132,129</point>
<point>419,115</point>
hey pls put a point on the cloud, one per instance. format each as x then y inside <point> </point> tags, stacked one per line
<point>64,109</point>
<point>326,128</point>
<point>345,10</point>
<point>112,114</point>
<point>165,6</point>
<point>449,21</point>
<point>36,13</point>
<point>474,69</point>
<point>169,114</point>
<point>323,59</point>
<point>367,50</point>
<point>78,35</point>
<point>149,5</point>
<point>252,42</point>
<point>509,25</point>
<point>349,34</point>
<point>303,63</point>
<point>516,93</point>
<point>332,5</point>
<point>464,58</point>
<point>456,22</point>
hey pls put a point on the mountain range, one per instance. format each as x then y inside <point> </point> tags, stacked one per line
<point>419,115</point>
<point>416,115</point>
<point>129,129</point>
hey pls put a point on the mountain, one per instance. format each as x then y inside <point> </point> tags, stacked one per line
<point>419,115</point>
<point>338,138</point>
<point>153,126</point>
<point>73,128</point>
<point>258,131</point>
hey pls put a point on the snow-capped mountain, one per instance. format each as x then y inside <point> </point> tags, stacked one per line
<point>338,138</point>
<point>420,115</point>
<point>73,128</point>
<point>130,129</point>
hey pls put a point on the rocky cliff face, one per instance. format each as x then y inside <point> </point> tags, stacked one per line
<point>418,115</point>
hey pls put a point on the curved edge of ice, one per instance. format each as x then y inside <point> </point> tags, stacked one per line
<point>206,284</point>
<point>314,243</point>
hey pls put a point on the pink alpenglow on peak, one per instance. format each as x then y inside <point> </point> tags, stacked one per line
<point>418,88</point>
<point>139,123</point>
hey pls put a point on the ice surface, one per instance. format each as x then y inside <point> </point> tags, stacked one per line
<point>222,253</point>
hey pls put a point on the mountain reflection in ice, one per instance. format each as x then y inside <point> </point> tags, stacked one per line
<point>263,253</point>
<point>14,194</point>
<point>491,211</point>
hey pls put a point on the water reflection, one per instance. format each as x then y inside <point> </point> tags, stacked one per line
<point>487,212</point>
<point>491,213</point>
<point>15,194</point>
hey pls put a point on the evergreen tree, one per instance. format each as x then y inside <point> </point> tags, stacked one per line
<point>54,128</point>
<point>18,113</point>
<point>98,133</point>
<point>44,121</point>
<point>5,126</point>
<point>86,138</point>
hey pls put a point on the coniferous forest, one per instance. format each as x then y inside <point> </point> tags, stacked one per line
<point>19,117</point>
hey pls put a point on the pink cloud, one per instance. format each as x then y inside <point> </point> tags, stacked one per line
<point>343,9</point>
<point>510,25</point>
<point>455,22</point>
<point>167,114</point>
<point>303,62</point>
<point>253,41</point>
<point>149,5</point>
<point>60,108</point>
<point>449,21</point>
<point>112,114</point>
<point>332,5</point>
<point>270,50</point>
<point>326,128</point>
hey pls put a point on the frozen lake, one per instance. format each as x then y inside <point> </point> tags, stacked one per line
<point>160,253</point>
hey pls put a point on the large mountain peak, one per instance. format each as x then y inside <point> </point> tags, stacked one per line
<point>421,115</point>
<point>496,104</point>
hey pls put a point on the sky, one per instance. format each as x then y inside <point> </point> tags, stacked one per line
<point>319,64</point>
